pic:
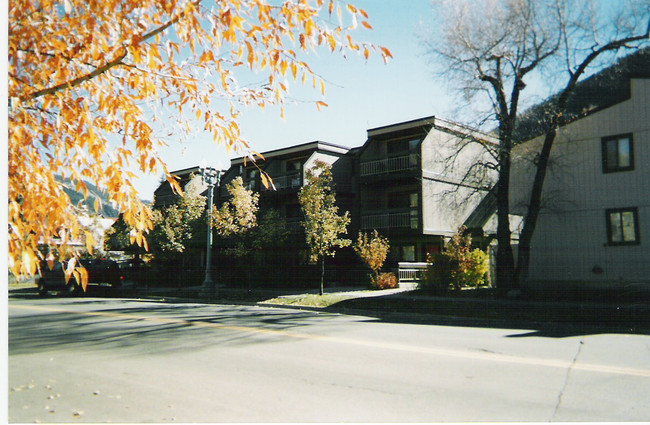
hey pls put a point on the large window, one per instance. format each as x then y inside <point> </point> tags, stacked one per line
<point>623,226</point>
<point>618,153</point>
<point>402,146</point>
<point>403,200</point>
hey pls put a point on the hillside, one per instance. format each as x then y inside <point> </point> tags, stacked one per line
<point>94,193</point>
<point>603,89</point>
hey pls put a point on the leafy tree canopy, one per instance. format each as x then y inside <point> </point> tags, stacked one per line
<point>238,215</point>
<point>176,225</point>
<point>96,87</point>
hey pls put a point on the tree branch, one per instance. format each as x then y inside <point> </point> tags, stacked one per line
<point>102,69</point>
<point>77,81</point>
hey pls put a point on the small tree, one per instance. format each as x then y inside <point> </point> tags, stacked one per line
<point>322,223</point>
<point>373,251</point>
<point>237,217</point>
<point>176,225</point>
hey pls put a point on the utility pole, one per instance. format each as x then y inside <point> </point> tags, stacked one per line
<point>211,177</point>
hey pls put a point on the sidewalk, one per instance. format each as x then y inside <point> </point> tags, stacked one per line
<point>404,304</point>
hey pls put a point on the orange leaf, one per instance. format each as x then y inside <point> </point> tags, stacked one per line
<point>82,277</point>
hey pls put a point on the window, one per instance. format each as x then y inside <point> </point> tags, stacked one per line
<point>623,226</point>
<point>294,165</point>
<point>618,153</point>
<point>252,178</point>
<point>408,253</point>
<point>402,146</point>
<point>402,200</point>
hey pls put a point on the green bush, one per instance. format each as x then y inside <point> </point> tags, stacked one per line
<point>477,269</point>
<point>458,266</point>
<point>384,281</point>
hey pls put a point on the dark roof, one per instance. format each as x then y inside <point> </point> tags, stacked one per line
<point>301,148</point>
<point>602,90</point>
<point>416,123</point>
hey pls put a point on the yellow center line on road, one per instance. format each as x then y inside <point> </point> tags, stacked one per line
<point>454,353</point>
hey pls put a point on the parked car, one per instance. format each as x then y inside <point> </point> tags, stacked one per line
<point>101,274</point>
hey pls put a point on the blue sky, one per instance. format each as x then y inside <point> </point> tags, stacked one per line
<point>361,94</point>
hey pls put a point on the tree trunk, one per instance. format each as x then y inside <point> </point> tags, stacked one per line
<point>322,273</point>
<point>534,207</point>
<point>505,257</point>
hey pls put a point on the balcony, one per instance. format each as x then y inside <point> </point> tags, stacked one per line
<point>284,182</point>
<point>287,181</point>
<point>393,220</point>
<point>390,165</point>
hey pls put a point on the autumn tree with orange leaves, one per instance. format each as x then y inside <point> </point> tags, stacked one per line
<point>91,83</point>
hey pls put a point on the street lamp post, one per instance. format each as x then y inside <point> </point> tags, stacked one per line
<point>211,177</point>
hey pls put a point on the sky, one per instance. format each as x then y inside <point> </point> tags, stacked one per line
<point>360,95</point>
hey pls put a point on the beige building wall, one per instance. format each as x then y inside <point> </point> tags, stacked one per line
<point>571,239</point>
<point>453,179</point>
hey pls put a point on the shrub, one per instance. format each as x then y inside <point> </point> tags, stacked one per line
<point>456,267</point>
<point>385,281</point>
<point>477,269</point>
<point>372,250</point>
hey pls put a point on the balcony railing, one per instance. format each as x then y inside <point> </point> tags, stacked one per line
<point>412,272</point>
<point>405,220</point>
<point>288,181</point>
<point>390,165</point>
<point>285,182</point>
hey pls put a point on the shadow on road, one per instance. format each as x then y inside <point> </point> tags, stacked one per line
<point>148,327</point>
<point>559,319</point>
<point>145,327</point>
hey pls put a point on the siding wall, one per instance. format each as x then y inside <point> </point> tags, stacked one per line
<point>570,242</point>
<point>445,204</point>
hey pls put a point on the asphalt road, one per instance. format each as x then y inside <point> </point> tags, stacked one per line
<point>98,360</point>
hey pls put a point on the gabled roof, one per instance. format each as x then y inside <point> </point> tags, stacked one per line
<point>602,90</point>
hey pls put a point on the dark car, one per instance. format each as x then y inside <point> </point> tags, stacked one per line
<point>101,273</point>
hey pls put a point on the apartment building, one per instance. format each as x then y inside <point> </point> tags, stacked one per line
<point>287,167</point>
<point>594,227</point>
<point>415,182</point>
<point>419,181</point>
<point>164,195</point>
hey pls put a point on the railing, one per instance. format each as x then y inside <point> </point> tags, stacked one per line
<point>288,181</point>
<point>389,165</point>
<point>411,272</point>
<point>408,219</point>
